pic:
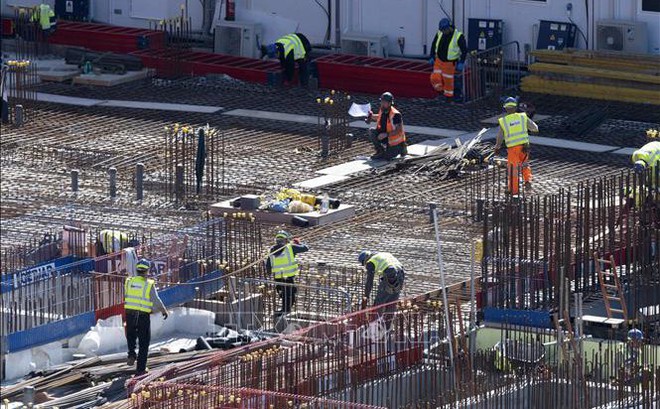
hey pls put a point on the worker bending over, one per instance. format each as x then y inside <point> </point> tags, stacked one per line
<point>390,275</point>
<point>291,49</point>
<point>140,299</point>
<point>448,51</point>
<point>282,264</point>
<point>388,138</point>
<point>647,158</point>
<point>514,127</point>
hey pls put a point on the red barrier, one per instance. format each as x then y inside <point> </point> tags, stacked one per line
<point>405,78</point>
<point>199,63</point>
<point>102,37</point>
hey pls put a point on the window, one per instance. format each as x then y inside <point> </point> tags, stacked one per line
<point>651,5</point>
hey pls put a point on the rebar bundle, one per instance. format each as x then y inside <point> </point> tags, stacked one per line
<point>178,32</point>
<point>333,121</point>
<point>194,161</point>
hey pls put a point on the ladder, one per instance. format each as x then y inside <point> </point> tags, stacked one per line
<point>610,286</point>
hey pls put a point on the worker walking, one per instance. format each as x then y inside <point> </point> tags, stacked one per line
<point>448,52</point>
<point>282,264</point>
<point>388,138</point>
<point>291,49</point>
<point>140,299</point>
<point>514,127</point>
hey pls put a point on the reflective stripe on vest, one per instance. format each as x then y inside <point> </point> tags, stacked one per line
<point>291,42</point>
<point>514,127</point>
<point>453,50</point>
<point>108,238</point>
<point>397,138</point>
<point>382,261</point>
<point>285,264</point>
<point>137,294</point>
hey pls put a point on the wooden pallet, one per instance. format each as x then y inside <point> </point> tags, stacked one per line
<point>537,84</point>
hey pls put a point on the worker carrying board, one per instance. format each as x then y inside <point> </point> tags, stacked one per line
<point>291,49</point>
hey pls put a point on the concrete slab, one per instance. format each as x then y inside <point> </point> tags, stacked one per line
<point>315,218</point>
<point>56,70</point>
<point>108,80</point>
<point>420,130</point>
<point>574,145</point>
<point>161,106</point>
<point>352,167</point>
<point>62,99</point>
<point>625,151</point>
<point>277,116</point>
<point>494,119</point>
<point>320,181</point>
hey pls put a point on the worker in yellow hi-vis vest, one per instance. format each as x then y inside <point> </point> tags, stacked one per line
<point>283,265</point>
<point>140,299</point>
<point>291,49</point>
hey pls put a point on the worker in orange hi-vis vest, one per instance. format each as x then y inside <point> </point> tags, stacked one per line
<point>448,52</point>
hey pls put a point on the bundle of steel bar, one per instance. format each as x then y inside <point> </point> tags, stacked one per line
<point>596,74</point>
<point>333,121</point>
<point>76,56</point>
<point>194,161</point>
<point>178,37</point>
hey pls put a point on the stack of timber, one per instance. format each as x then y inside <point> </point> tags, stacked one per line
<point>604,75</point>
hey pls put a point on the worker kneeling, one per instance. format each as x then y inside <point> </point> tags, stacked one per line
<point>140,299</point>
<point>388,138</point>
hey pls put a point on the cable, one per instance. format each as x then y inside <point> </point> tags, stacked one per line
<point>327,30</point>
<point>443,10</point>
<point>586,42</point>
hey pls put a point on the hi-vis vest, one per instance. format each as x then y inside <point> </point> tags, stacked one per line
<point>397,138</point>
<point>284,264</point>
<point>43,13</point>
<point>113,240</point>
<point>514,127</point>
<point>382,261</point>
<point>649,153</point>
<point>453,51</point>
<point>291,42</point>
<point>137,294</point>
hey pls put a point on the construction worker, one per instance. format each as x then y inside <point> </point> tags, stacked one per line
<point>513,130</point>
<point>448,52</point>
<point>648,158</point>
<point>113,241</point>
<point>388,138</point>
<point>389,272</point>
<point>45,17</point>
<point>140,299</point>
<point>629,357</point>
<point>291,49</point>
<point>282,264</point>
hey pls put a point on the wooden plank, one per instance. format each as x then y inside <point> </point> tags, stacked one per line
<point>620,61</point>
<point>534,83</point>
<point>595,72</point>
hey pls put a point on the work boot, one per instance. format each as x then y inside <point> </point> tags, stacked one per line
<point>376,156</point>
<point>130,361</point>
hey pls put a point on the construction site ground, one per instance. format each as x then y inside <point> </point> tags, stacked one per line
<point>262,155</point>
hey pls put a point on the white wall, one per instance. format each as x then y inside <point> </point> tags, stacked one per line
<point>394,18</point>
<point>121,12</point>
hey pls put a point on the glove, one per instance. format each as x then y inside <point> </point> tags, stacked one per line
<point>459,66</point>
<point>165,315</point>
<point>525,148</point>
<point>364,303</point>
<point>497,150</point>
<point>431,61</point>
<point>296,240</point>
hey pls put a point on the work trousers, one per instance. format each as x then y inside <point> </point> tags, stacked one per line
<point>287,292</point>
<point>138,327</point>
<point>442,78</point>
<point>383,150</point>
<point>518,162</point>
<point>387,294</point>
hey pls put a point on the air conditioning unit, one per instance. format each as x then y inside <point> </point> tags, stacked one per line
<point>238,38</point>
<point>364,44</point>
<point>615,35</point>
